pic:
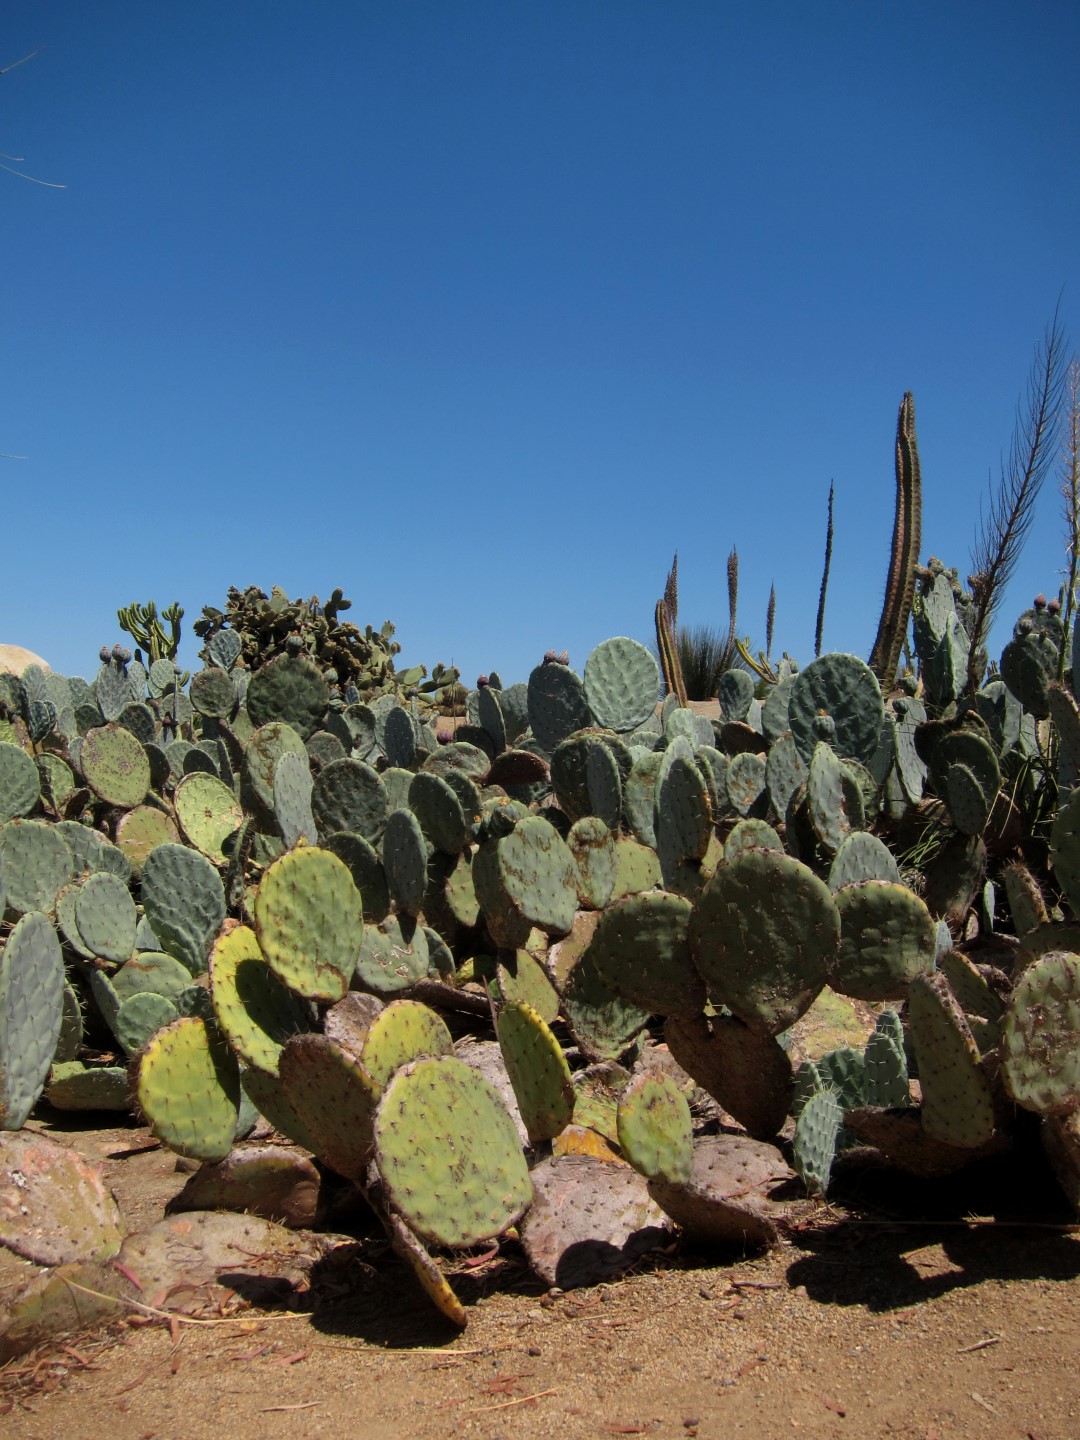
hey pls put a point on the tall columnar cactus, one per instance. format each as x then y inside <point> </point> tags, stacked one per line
<point>907,534</point>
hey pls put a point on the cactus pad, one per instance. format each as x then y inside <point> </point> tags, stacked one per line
<point>654,1128</point>
<point>189,1089</point>
<point>764,934</point>
<point>448,1153</point>
<point>1041,1036</point>
<point>538,1071</point>
<point>957,1105</point>
<point>309,920</point>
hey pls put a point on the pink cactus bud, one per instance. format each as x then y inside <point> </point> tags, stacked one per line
<point>1039,602</point>
<point>482,682</point>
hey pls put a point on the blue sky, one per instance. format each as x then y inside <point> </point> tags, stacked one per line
<point>482,310</point>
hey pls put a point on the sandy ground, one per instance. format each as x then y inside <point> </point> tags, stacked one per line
<point>891,1313</point>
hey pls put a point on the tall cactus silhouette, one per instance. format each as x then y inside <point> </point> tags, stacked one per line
<point>907,533</point>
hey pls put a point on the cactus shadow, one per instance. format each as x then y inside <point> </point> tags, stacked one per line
<point>364,1292</point>
<point>898,1240</point>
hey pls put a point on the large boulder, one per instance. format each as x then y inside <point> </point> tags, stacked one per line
<point>14,659</point>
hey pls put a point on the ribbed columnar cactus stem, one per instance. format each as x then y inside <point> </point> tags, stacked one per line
<point>732,596</point>
<point>907,530</point>
<point>669,653</point>
<point>820,626</point>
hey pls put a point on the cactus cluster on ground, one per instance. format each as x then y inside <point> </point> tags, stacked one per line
<point>499,955</point>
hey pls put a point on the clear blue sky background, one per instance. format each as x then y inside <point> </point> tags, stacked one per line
<point>481,310</point>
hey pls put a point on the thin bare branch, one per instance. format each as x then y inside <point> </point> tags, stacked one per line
<point>49,184</point>
<point>16,63</point>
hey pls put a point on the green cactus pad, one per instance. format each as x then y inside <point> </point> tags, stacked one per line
<point>142,830</point>
<point>115,766</point>
<point>333,1097</point>
<point>1065,849</point>
<point>1041,1036</point>
<point>448,1153</point>
<point>846,690</point>
<point>602,1021</point>
<point>603,784</point>
<point>654,1128</point>
<point>405,857</point>
<point>140,1017</point>
<point>817,1131</point>
<point>640,949</point>
<point>261,754</point>
<point>636,868</point>
<point>595,859</point>
<point>189,1089</point>
<point>745,781</point>
<point>764,935</point>
<point>639,796</point>
<point>431,1279</point>
<point>309,922</point>
<point>520,978</point>
<point>69,1041</point>
<point>213,692</point>
<point>31,1013</point>
<point>862,856</point>
<point>20,782</point>
<point>459,755</point>
<point>535,877</point>
<point>735,692</point>
<point>1026,904</point>
<point>154,971</point>
<point>887,937</point>
<point>106,917</point>
<point>885,1073</point>
<point>293,786</point>
<point>57,781</point>
<point>37,863</point>
<point>683,815</point>
<point>184,902</point>
<point>75,1086</point>
<point>569,773</point>
<point>404,1031</point>
<point>825,798</point>
<point>538,1071</point>
<point>785,771</point>
<point>290,690</point>
<point>489,714</point>
<point>393,956</point>
<point>450,902</point>
<point>957,1105</point>
<point>748,834</point>
<point>349,795</point>
<point>367,871</point>
<point>256,1013</point>
<point>441,815</point>
<point>558,704</point>
<point>622,684</point>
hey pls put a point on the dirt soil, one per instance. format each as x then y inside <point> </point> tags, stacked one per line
<point>891,1312</point>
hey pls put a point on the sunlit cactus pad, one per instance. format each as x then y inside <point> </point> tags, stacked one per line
<point>449,1154</point>
<point>309,920</point>
<point>189,1089</point>
<point>1041,1036</point>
